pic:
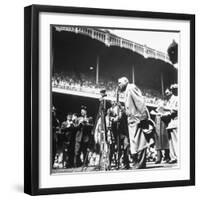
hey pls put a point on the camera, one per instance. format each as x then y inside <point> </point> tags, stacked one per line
<point>103,93</point>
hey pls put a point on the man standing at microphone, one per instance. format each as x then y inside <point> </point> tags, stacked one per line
<point>137,113</point>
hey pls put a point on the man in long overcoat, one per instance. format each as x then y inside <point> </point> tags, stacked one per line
<point>136,112</point>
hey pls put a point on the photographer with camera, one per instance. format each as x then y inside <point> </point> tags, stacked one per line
<point>83,137</point>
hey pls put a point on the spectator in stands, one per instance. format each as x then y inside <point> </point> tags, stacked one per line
<point>86,83</point>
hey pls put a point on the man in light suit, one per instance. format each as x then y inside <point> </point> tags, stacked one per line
<point>137,113</point>
<point>172,127</point>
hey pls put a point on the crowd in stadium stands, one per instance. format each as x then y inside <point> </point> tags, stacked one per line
<point>86,83</point>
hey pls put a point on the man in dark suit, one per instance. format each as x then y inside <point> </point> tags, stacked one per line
<point>119,128</point>
<point>67,129</point>
<point>83,137</point>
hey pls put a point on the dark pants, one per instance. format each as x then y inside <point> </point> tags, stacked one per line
<point>85,150</point>
<point>139,159</point>
<point>54,146</point>
<point>81,147</point>
<point>124,150</point>
<point>77,159</point>
<point>159,155</point>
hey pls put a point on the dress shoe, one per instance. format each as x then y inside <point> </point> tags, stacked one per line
<point>172,161</point>
<point>159,157</point>
<point>158,162</point>
<point>126,167</point>
<point>166,160</point>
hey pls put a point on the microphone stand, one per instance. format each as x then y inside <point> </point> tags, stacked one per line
<point>118,134</point>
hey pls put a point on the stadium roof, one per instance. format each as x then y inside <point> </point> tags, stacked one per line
<point>110,39</point>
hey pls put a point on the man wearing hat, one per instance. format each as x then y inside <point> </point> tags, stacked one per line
<point>67,128</point>
<point>172,105</point>
<point>136,112</point>
<point>83,137</point>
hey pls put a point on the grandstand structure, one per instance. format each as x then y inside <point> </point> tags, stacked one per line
<point>110,39</point>
<point>95,58</point>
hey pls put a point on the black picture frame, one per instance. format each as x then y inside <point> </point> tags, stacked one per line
<point>31,98</point>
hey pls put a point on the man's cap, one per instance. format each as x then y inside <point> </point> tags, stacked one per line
<point>103,90</point>
<point>174,86</point>
<point>174,89</point>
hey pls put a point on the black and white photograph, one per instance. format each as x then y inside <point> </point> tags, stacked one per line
<point>114,99</point>
<point>99,100</point>
<point>109,95</point>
